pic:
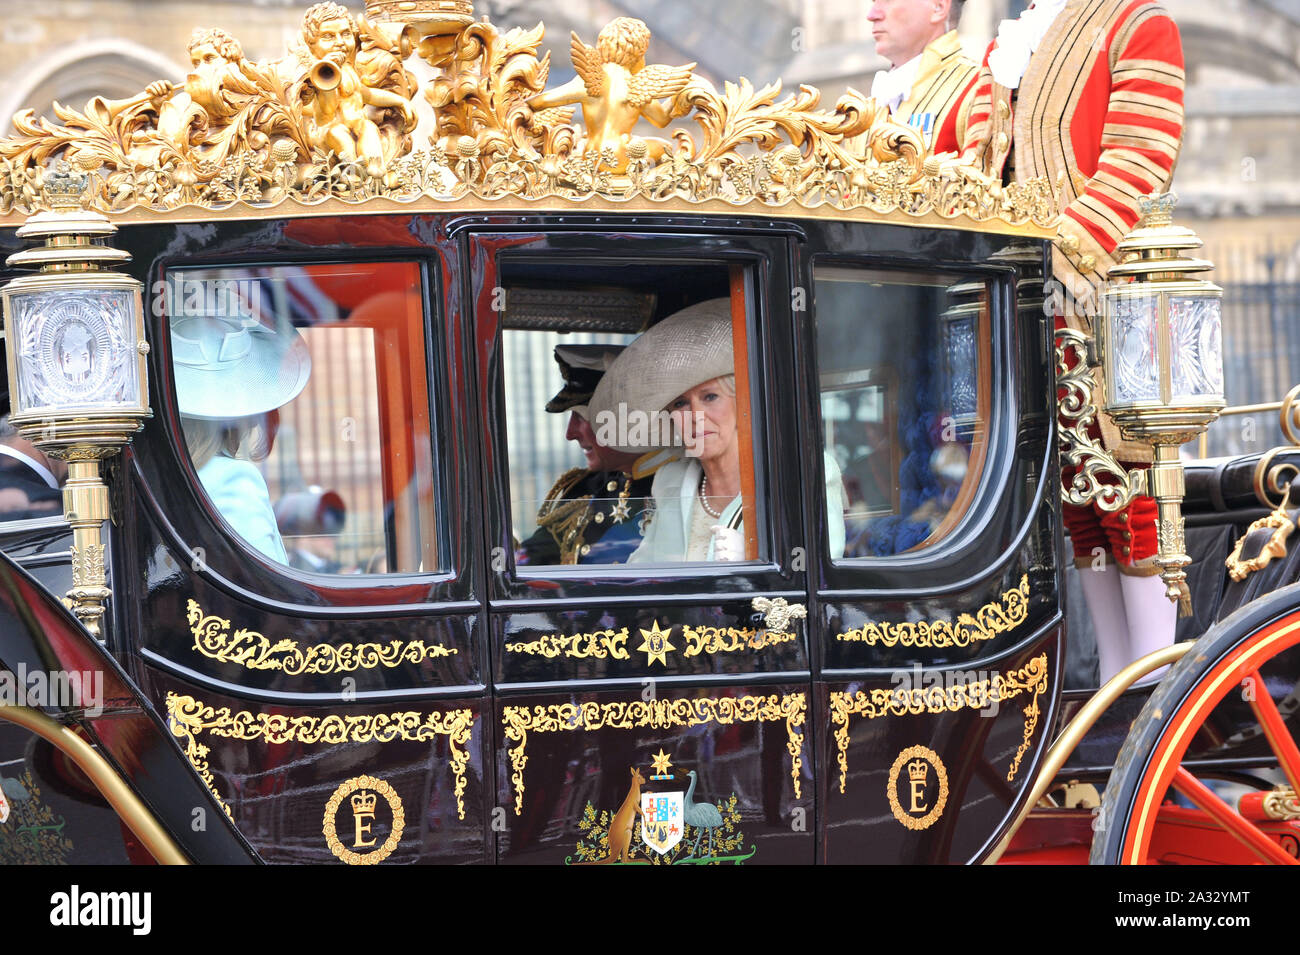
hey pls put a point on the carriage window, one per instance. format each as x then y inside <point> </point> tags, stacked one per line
<point>628,415</point>
<point>903,362</point>
<point>304,403</point>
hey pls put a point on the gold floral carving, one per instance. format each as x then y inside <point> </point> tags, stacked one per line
<point>986,623</point>
<point>612,644</point>
<point>332,122</point>
<point>330,830</point>
<point>973,694</point>
<point>250,649</point>
<point>190,719</point>
<point>520,721</point>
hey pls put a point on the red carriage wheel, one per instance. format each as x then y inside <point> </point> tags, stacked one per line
<point>1141,822</point>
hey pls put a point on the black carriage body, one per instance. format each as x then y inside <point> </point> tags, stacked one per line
<point>812,747</point>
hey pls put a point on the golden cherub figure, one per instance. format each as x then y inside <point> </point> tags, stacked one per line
<point>615,89</point>
<point>336,96</point>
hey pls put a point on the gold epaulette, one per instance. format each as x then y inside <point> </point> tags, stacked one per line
<point>560,488</point>
<point>566,519</point>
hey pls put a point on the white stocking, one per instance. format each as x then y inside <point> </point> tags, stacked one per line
<point>1151,618</point>
<point>1101,589</point>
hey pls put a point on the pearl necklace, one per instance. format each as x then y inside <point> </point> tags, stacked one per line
<point>704,499</point>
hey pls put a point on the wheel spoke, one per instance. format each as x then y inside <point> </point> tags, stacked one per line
<point>1229,819</point>
<point>1270,720</point>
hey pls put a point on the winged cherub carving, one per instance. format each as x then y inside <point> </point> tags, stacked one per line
<point>615,89</point>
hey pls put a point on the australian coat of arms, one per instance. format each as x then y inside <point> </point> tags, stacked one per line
<point>660,823</point>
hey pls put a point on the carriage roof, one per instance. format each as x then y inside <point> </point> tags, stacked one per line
<point>243,140</point>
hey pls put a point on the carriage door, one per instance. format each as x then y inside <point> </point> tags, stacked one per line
<point>651,697</point>
<point>307,620</point>
<point>938,623</point>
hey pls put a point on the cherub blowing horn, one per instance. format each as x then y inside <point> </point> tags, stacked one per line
<point>615,89</point>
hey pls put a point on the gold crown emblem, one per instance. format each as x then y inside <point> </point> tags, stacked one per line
<point>918,770</point>
<point>63,187</point>
<point>364,802</point>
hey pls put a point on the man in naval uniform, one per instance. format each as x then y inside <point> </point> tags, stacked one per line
<point>1088,94</point>
<point>930,81</point>
<point>592,515</point>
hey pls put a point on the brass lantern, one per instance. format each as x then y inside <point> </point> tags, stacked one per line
<point>1160,341</point>
<point>78,388</point>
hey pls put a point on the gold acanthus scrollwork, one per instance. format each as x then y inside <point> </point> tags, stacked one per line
<point>914,701</point>
<point>1278,522</point>
<point>520,721</point>
<point>190,719</point>
<point>247,135</point>
<point>987,622</point>
<point>730,639</point>
<point>249,649</point>
<point>1283,804</point>
<point>600,644</point>
<point>612,644</point>
<point>1095,466</point>
<point>336,106</point>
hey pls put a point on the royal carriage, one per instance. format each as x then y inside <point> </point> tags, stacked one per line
<point>387,675</point>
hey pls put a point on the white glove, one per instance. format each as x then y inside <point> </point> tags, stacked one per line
<point>727,544</point>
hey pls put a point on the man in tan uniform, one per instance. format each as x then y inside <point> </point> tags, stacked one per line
<point>930,81</point>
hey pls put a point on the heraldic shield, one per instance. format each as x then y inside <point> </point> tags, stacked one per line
<point>662,819</point>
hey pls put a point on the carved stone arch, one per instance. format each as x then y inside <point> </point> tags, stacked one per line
<point>1272,64</point>
<point>115,69</point>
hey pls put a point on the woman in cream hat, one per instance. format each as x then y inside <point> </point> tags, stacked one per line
<point>684,368</point>
<point>231,376</point>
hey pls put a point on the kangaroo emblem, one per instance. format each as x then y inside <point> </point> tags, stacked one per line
<point>620,827</point>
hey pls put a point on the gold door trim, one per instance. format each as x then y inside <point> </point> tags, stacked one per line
<point>190,719</point>
<point>974,694</point>
<point>519,721</point>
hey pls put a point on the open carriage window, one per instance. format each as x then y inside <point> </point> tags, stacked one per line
<point>304,402</point>
<point>903,361</point>
<point>628,414</point>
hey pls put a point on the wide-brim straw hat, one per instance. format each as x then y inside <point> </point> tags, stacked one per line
<point>686,349</point>
<point>235,368</point>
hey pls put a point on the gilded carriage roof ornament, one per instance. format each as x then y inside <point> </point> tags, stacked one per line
<point>336,120</point>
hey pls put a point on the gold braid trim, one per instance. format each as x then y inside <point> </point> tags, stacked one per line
<point>519,721</point>
<point>189,718</point>
<point>566,519</point>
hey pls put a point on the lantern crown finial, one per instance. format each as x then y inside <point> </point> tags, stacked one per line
<point>64,187</point>
<point>1157,210</point>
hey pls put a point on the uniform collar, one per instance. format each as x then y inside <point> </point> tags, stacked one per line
<point>1019,38</point>
<point>903,81</point>
<point>891,87</point>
